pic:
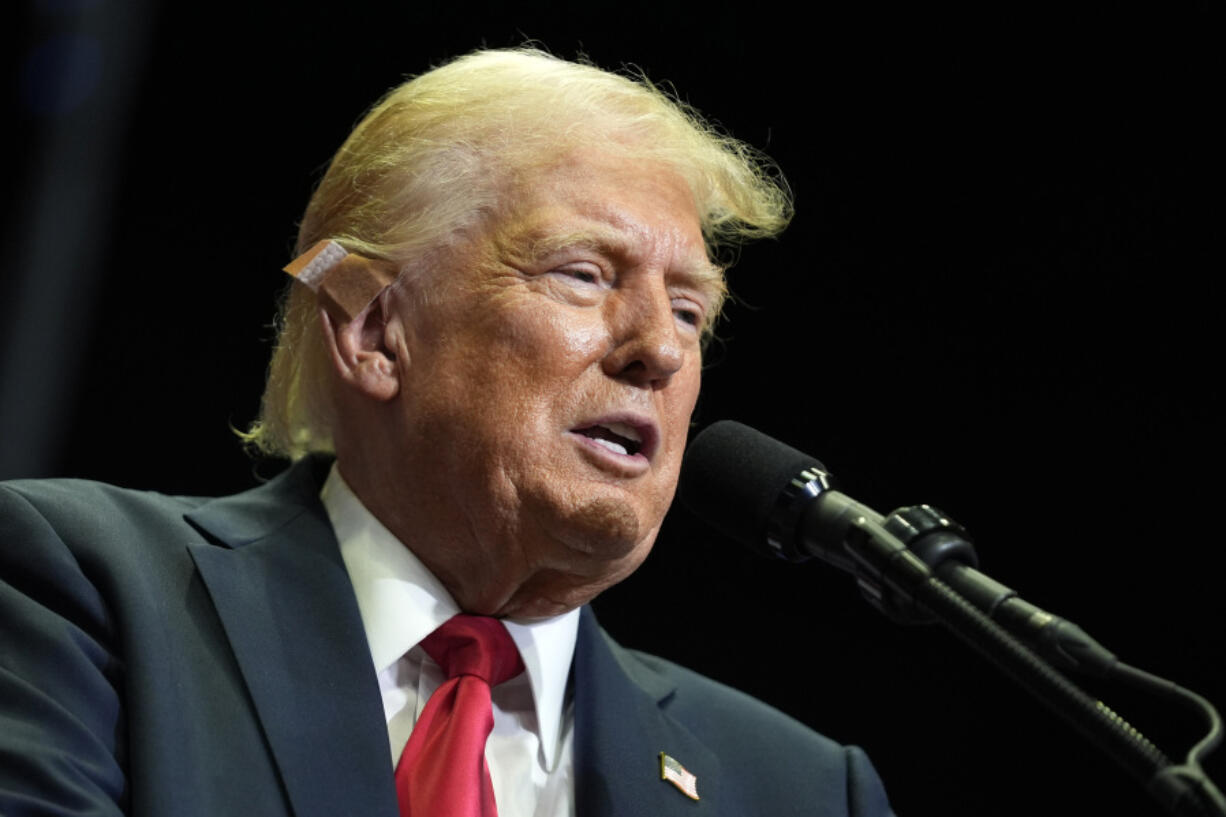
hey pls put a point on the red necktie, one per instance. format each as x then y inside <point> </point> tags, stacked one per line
<point>442,772</point>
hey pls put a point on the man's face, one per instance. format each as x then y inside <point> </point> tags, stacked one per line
<point>548,370</point>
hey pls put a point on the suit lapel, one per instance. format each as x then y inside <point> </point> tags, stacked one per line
<point>620,730</point>
<point>288,609</point>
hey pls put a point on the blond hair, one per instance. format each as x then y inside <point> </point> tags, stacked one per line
<point>430,161</point>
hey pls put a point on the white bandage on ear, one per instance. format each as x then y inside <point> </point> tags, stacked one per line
<point>345,282</point>
<point>311,267</point>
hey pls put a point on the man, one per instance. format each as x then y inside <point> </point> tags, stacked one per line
<point>504,285</point>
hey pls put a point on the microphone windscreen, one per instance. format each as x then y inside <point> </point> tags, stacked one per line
<point>733,475</point>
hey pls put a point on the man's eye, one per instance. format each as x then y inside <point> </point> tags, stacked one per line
<point>689,315</point>
<point>586,275</point>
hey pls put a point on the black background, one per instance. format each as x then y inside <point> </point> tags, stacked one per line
<point>999,296</point>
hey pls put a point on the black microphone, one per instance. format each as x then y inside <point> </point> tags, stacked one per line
<point>779,501</point>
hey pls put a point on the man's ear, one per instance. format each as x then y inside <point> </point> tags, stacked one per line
<point>359,350</point>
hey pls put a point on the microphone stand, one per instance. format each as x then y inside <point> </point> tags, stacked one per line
<point>894,569</point>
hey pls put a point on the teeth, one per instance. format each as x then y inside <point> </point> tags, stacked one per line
<point>623,430</point>
<point>612,446</point>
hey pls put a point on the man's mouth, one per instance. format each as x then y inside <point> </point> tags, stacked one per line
<point>620,438</point>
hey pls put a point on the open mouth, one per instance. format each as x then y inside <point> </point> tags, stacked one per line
<point>619,438</point>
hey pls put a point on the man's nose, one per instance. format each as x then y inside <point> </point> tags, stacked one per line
<point>647,346</point>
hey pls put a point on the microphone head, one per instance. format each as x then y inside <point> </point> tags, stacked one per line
<point>743,483</point>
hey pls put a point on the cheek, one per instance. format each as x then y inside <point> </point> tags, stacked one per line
<point>681,397</point>
<point>543,349</point>
<point>691,386</point>
<point>557,335</point>
<point>522,373</point>
<point>676,413</point>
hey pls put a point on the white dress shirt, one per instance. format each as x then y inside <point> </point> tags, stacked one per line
<point>401,602</point>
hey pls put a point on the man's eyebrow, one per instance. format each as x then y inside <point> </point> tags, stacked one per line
<point>541,245</point>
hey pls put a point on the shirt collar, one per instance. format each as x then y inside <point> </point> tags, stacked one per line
<point>401,602</point>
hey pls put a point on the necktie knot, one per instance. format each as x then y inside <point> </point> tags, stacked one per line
<point>474,645</point>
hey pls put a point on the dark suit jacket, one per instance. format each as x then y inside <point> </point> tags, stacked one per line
<point>176,656</point>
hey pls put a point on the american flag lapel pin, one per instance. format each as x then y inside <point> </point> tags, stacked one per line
<point>679,776</point>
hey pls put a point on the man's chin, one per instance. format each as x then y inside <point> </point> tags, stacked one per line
<point>600,529</point>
